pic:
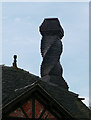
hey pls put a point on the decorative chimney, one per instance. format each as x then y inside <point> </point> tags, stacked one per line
<point>15,61</point>
<point>51,49</point>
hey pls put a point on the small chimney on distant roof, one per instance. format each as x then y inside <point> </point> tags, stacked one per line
<point>15,61</point>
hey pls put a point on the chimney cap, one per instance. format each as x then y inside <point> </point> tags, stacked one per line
<point>51,26</point>
<point>15,56</point>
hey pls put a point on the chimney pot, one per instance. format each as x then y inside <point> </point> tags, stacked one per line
<point>15,61</point>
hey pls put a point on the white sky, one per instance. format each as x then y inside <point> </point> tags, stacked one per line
<point>20,35</point>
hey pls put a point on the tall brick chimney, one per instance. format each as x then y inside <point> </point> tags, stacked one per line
<point>51,49</point>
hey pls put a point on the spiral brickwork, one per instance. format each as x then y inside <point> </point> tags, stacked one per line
<point>51,49</point>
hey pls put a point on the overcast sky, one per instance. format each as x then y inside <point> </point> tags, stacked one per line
<point>21,36</point>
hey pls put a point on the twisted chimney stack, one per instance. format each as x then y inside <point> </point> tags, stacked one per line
<point>51,49</point>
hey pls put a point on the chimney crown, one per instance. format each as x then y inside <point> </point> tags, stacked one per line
<point>51,26</point>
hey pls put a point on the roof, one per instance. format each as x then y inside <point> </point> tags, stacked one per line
<point>17,81</point>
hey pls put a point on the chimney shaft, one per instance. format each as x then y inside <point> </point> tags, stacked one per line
<point>51,49</point>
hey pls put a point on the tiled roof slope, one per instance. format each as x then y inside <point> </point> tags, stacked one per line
<point>16,81</point>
